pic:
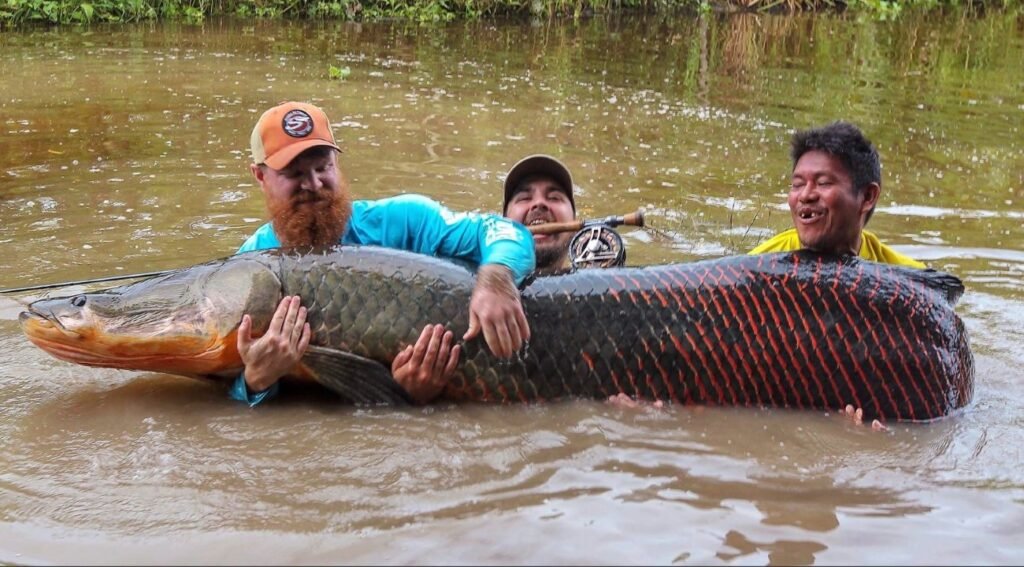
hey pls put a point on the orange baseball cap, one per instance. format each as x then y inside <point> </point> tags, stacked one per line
<point>287,130</point>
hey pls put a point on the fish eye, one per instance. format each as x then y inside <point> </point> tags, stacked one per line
<point>78,300</point>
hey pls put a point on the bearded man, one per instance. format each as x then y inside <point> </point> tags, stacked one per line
<point>295,163</point>
<point>539,189</point>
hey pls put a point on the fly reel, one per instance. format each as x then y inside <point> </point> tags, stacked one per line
<point>597,246</point>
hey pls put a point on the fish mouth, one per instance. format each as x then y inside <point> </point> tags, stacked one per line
<point>188,355</point>
<point>36,325</point>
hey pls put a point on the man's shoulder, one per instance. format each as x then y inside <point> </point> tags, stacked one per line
<point>783,242</point>
<point>414,200</point>
<point>263,238</point>
<point>872,248</point>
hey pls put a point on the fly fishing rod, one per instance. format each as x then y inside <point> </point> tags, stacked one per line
<point>596,243</point>
<point>81,282</point>
<point>607,245</point>
<point>632,219</point>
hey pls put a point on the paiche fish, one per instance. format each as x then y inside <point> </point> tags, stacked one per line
<point>791,330</point>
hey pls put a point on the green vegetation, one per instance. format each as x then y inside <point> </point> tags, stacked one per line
<point>338,73</point>
<point>15,12</point>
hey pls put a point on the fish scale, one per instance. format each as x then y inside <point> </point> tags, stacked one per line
<point>795,330</point>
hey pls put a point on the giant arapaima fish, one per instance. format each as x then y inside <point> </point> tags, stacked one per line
<point>792,330</point>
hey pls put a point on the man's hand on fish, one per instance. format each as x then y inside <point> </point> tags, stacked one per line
<point>273,355</point>
<point>495,310</point>
<point>856,415</point>
<point>423,369</point>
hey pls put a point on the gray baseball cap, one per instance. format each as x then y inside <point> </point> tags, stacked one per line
<point>538,164</point>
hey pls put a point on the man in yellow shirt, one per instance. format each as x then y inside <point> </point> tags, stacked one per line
<point>836,183</point>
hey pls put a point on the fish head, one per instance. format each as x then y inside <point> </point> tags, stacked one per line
<point>184,322</point>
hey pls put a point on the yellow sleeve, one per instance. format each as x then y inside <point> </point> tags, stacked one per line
<point>782,242</point>
<point>871,248</point>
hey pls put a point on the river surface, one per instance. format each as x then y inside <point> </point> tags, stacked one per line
<point>125,150</point>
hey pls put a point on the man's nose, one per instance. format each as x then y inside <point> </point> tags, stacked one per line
<point>808,192</point>
<point>310,182</point>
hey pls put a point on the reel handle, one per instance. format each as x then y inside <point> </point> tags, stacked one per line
<point>631,219</point>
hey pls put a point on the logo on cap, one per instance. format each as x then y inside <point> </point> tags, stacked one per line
<point>297,123</point>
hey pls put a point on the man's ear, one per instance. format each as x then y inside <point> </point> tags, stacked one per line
<point>871,194</point>
<point>257,172</point>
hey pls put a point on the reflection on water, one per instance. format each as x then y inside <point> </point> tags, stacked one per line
<point>124,151</point>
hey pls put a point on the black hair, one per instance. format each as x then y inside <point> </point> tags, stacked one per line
<point>846,142</point>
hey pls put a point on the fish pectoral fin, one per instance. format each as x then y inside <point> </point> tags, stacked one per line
<point>358,379</point>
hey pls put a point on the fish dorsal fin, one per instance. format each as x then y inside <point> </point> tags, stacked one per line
<point>357,379</point>
<point>945,283</point>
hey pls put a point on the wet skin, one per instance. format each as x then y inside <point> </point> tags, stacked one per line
<point>544,201</point>
<point>827,211</point>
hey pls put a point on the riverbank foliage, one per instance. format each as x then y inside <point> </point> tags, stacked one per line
<point>16,12</point>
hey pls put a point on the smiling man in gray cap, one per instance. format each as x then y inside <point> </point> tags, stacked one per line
<point>539,189</point>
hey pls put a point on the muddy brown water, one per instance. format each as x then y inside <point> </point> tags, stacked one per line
<point>124,150</point>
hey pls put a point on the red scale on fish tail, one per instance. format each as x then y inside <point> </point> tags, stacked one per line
<point>737,281</point>
<point>665,382</point>
<point>828,368</point>
<point>704,368</point>
<point>932,335</point>
<point>671,286</point>
<point>651,384</point>
<point>651,355</point>
<point>601,384</point>
<point>884,350</point>
<point>799,365</point>
<point>783,350</point>
<point>878,278</point>
<point>912,301</point>
<point>665,288</point>
<point>675,287</point>
<point>802,315</point>
<point>661,297</point>
<point>852,398</point>
<point>756,335</point>
<point>844,327</point>
<point>615,382</point>
<point>855,320</point>
<point>724,381</point>
<point>710,371</point>
<point>757,319</point>
<point>938,395</point>
<point>632,382</point>
<point>686,357</point>
<point>899,347</point>
<point>965,368</point>
<point>720,350</point>
<point>909,367</point>
<point>753,336</point>
<point>615,292</point>
<point>589,361</point>
<point>858,269</point>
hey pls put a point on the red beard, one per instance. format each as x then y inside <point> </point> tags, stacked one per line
<point>312,218</point>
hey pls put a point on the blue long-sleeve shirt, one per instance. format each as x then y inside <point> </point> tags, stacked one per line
<point>417,224</point>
